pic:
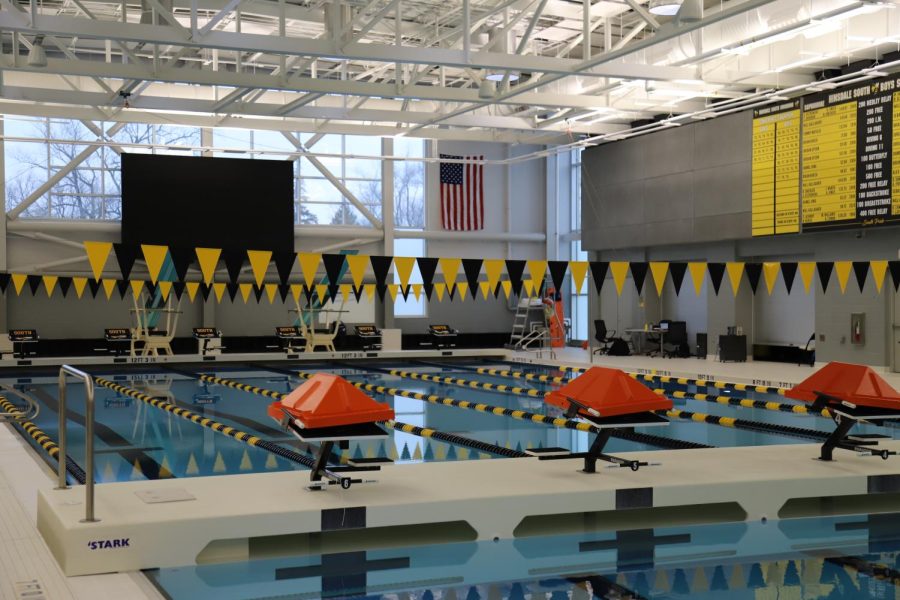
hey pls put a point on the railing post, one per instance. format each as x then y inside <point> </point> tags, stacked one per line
<point>88,440</point>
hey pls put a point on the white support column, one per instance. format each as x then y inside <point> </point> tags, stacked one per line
<point>4,318</point>
<point>551,207</point>
<point>586,29</point>
<point>387,217</point>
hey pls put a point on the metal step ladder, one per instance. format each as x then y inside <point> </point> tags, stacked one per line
<point>520,322</point>
<point>531,329</point>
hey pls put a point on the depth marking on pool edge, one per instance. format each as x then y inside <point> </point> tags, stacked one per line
<point>29,590</point>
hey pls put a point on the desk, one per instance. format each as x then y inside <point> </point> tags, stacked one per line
<point>639,334</point>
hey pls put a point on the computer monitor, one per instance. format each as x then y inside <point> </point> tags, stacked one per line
<point>664,326</point>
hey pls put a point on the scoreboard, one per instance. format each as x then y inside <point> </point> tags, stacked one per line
<point>829,160</point>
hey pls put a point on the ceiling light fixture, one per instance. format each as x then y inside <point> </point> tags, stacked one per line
<point>665,8</point>
<point>37,56</point>
<point>498,76</point>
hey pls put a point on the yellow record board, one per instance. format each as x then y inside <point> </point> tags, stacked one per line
<point>776,169</point>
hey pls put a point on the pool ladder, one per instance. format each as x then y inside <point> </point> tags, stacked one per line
<point>62,484</point>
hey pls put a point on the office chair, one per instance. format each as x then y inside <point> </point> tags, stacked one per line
<point>653,341</point>
<point>603,336</point>
<point>676,340</point>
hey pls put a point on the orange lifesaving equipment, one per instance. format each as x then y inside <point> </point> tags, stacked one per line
<point>609,392</point>
<point>857,384</point>
<point>327,400</point>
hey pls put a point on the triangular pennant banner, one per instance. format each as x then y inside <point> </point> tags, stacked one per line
<point>485,288</point>
<point>94,287</point>
<point>450,268</point>
<point>259,264</point>
<point>770,274</point>
<point>599,268</point>
<point>472,270</point>
<point>861,270</point>
<point>578,268</point>
<point>558,270</point>
<point>427,269</point>
<point>528,284</point>
<point>678,270</point>
<point>309,266</point>
<point>154,256</point>
<point>806,274</point>
<point>4,282</point>
<point>165,287</point>
<point>507,287</point>
<point>788,273</point>
<point>659,270</point>
<point>392,289</point>
<point>123,286</point>
<point>109,286</point>
<point>19,280</point>
<point>64,284</point>
<point>34,283</point>
<point>97,253</point>
<point>716,275</point>
<point>735,273</point>
<point>205,289</point>
<point>334,265</point>
<point>219,290</point>
<point>126,254</point>
<point>234,262</point>
<point>754,272</point>
<point>358,263</point>
<point>842,268</point>
<point>284,264</point>
<point>137,286</point>
<point>894,268</point>
<point>639,274</point>
<point>232,289</point>
<point>178,288</point>
<point>493,268</point>
<point>321,292</point>
<point>246,289</point>
<point>258,292</point>
<point>182,259</point>
<point>296,291</point>
<point>79,283</point>
<point>537,269</point>
<point>192,287</point>
<point>440,288</point>
<point>698,275</point>
<point>346,290</point>
<point>370,291</point>
<point>619,272</point>
<point>50,284</point>
<point>824,270</point>
<point>462,287</point>
<point>208,259</point>
<point>879,268</point>
<point>403,265</point>
<point>514,270</point>
<point>380,267</point>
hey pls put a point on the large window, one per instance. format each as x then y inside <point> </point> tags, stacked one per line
<point>410,307</point>
<point>579,301</point>
<point>409,184</point>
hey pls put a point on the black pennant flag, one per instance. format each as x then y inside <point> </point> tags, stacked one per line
<point>334,265</point>
<point>824,269</point>
<point>677,269</point>
<point>205,289</point>
<point>404,291</point>
<point>232,289</point>
<point>894,267</point>
<point>380,289</point>
<point>258,292</point>
<point>861,270</point>
<point>789,272</point>
<point>94,286</point>
<point>497,289</point>
<point>181,260</point>
<point>126,254</point>
<point>4,282</point>
<point>716,274</point>
<point>599,269</point>
<point>34,282</point>
<point>358,292</point>
<point>472,268</point>
<point>639,274</point>
<point>234,261</point>
<point>452,291</point>
<point>151,288</point>
<point>177,286</point>
<point>558,270</point>
<point>514,269</point>
<point>284,290</point>
<point>123,286</point>
<point>380,267</point>
<point>754,270</point>
<point>427,267</point>
<point>284,263</point>
<point>64,284</point>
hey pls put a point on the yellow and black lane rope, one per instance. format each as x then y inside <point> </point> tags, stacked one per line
<point>396,425</point>
<point>42,439</point>
<point>523,415</point>
<point>231,432</point>
<point>800,409</point>
<point>700,417</point>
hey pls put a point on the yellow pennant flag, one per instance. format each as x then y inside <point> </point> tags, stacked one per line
<point>879,268</point>
<point>346,290</point>
<point>417,291</point>
<point>659,270</point>
<point>296,290</point>
<point>109,285</point>
<point>842,268</point>
<point>97,253</point>
<point>50,283</point>
<point>164,288</point>
<point>259,263</point>
<point>370,291</point>
<point>770,273</point>
<point>439,289</point>
<point>309,265</point>
<point>619,271</point>
<point>462,288</point>
<point>208,259</point>
<point>78,282</point>
<point>528,286</point>
<point>493,267</point>
<point>246,289</point>
<point>485,289</point>
<point>137,286</point>
<point>404,266</point>
<point>450,268</point>
<point>357,264</point>
<point>18,280</point>
<point>506,284</point>
<point>698,275</point>
<point>806,274</point>
<point>155,257</point>
<point>578,269</point>
<point>392,290</point>
<point>537,268</point>
<point>219,291</point>
<point>735,273</point>
<point>271,290</point>
<point>192,287</point>
<point>322,292</point>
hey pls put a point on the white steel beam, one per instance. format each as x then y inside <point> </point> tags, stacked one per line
<point>224,12</point>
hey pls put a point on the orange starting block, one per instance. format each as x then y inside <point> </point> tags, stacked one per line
<point>611,400</point>
<point>328,409</point>
<point>852,394</point>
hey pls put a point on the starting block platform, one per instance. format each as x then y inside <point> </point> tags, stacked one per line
<point>167,523</point>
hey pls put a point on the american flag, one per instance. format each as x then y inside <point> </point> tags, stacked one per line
<point>462,193</point>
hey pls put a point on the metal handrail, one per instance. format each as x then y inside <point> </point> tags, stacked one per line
<point>88,440</point>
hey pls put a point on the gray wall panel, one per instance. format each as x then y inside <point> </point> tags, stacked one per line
<point>668,198</point>
<point>668,151</point>
<point>723,141</point>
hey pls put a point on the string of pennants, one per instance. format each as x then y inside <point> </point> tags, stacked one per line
<point>461,277</point>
